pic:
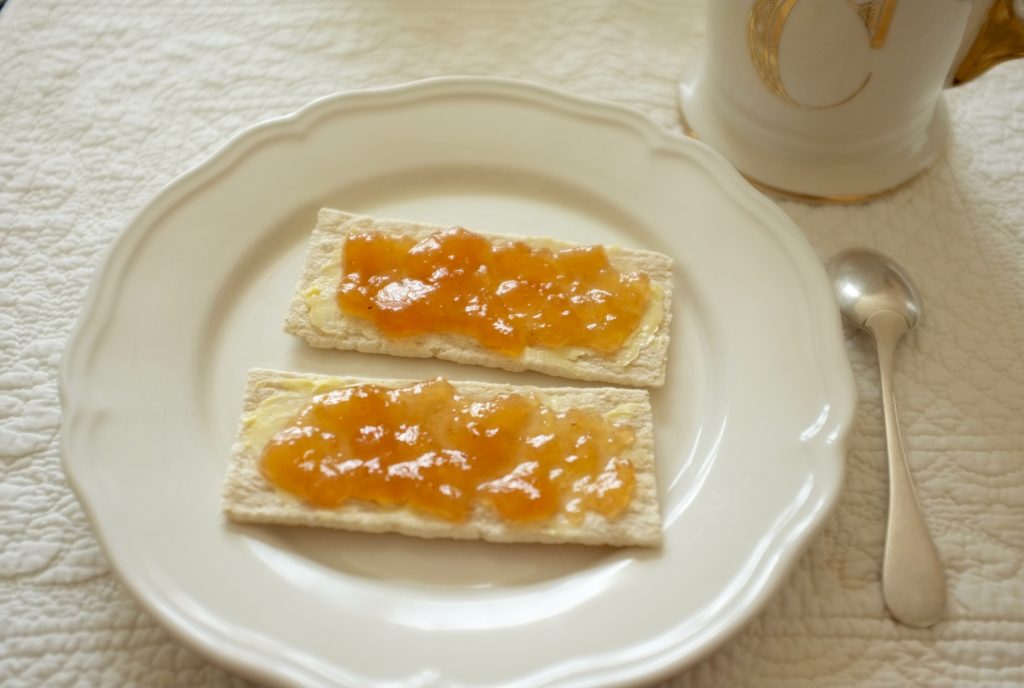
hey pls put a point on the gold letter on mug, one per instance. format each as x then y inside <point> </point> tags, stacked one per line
<point>764,34</point>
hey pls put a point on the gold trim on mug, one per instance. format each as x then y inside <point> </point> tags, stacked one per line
<point>845,199</point>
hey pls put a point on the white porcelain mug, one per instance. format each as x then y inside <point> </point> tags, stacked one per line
<point>839,100</point>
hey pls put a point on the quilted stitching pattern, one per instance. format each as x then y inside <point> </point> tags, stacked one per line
<point>107,101</point>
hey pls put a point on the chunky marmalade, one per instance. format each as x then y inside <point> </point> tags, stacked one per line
<point>507,296</point>
<point>429,448</point>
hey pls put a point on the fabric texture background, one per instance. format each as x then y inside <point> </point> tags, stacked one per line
<point>105,102</point>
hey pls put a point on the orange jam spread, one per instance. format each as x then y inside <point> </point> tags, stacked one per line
<point>506,296</point>
<point>429,448</point>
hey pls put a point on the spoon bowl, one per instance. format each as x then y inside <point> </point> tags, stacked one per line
<point>866,282</point>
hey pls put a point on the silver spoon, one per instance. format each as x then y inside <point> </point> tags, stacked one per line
<point>875,294</point>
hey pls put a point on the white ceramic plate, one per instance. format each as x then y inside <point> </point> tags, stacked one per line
<point>750,427</point>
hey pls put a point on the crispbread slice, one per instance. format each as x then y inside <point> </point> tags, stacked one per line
<point>248,497</point>
<point>640,363</point>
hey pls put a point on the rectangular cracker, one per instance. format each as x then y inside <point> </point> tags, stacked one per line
<point>327,326</point>
<point>248,497</point>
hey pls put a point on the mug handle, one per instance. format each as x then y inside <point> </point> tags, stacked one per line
<point>1001,38</point>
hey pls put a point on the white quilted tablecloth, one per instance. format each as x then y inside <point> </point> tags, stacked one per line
<point>103,102</point>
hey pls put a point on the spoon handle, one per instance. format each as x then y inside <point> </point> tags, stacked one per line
<point>913,580</point>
